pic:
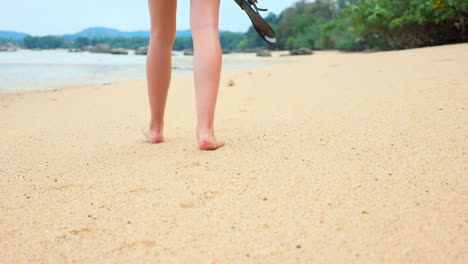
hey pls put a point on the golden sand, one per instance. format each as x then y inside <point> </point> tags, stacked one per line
<point>332,158</point>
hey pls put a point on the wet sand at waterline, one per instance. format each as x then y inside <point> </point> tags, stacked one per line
<point>332,158</point>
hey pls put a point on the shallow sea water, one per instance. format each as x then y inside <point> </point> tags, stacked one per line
<point>50,69</point>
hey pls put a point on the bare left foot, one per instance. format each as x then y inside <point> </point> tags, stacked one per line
<point>152,135</point>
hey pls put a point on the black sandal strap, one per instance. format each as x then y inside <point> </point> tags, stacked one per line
<point>254,4</point>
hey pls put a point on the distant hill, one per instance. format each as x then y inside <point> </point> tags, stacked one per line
<point>12,35</point>
<point>96,32</point>
<point>102,32</point>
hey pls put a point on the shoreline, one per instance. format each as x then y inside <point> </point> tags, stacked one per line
<point>61,68</point>
<point>278,55</point>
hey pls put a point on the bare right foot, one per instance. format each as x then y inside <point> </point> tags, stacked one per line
<point>152,135</point>
<point>210,144</point>
<point>207,141</point>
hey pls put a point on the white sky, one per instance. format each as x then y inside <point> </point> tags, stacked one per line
<point>57,17</point>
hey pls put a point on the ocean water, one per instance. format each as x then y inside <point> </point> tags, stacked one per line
<point>50,69</point>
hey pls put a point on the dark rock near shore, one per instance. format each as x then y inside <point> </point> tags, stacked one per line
<point>8,46</point>
<point>300,51</point>
<point>188,52</point>
<point>142,51</point>
<point>263,53</point>
<point>101,48</point>
<point>120,52</point>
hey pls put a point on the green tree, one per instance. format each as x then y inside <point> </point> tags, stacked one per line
<point>230,40</point>
<point>412,23</point>
<point>81,42</point>
<point>47,42</point>
<point>182,43</point>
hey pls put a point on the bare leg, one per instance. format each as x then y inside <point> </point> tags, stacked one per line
<point>204,16</point>
<point>159,63</point>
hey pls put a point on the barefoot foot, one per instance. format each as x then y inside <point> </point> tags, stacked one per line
<point>152,135</point>
<point>207,140</point>
<point>210,144</point>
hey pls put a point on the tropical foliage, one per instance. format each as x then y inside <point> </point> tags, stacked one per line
<point>411,23</point>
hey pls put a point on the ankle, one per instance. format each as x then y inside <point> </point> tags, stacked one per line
<point>205,132</point>
<point>156,126</point>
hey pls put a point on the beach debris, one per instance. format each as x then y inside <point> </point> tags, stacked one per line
<point>188,52</point>
<point>300,51</point>
<point>364,212</point>
<point>231,83</point>
<point>60,238</point>
<point>188,205</point>
<point>90,216</point>
<point>263,53</point>
<point>80,230</point>
<point>120,51</point>
<point>298,246</point>
<point>75,50</point>
<point>265,199</point>
<point>142,51</point>
<point>101,48</point>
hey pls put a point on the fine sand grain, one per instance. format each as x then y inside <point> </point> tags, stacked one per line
<point>332,158</point>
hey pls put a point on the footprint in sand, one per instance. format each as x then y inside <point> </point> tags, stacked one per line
<point>200,199</point>
<point>141,243</point>
<point>79,231</point>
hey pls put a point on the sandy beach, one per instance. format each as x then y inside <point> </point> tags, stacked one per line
<point>331,158</point>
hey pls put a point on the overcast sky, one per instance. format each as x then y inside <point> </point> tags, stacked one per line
<point>57,17</point>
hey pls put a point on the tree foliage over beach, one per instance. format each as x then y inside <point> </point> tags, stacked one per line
<point>372,24</point>
<point>47,42</point>
<point>411,23</point>
<point>351,25</point>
